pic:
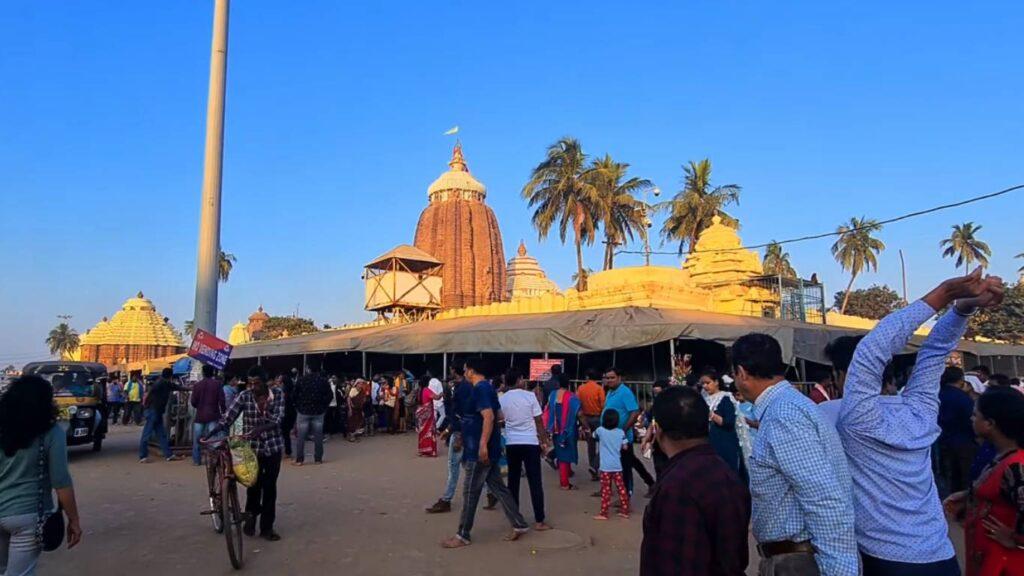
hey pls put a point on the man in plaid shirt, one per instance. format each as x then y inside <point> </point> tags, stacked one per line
<point>261,408</point>
<point>696,522</point>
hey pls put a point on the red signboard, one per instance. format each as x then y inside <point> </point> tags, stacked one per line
<point>209,349</point>
<point>540,368</point>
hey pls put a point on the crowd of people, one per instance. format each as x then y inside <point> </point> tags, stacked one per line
<point>860,476</point>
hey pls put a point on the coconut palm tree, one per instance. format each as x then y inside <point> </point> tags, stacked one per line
<point>693,207</point>
<point>776,261</point>
<point>856,250</point>
<point>225,263</point>
<point>561,195</point>
<point>1021,269</point>
<point>190,328</point>
<point>964,244</point>
<point>617,209</point>
<point>63,340</point>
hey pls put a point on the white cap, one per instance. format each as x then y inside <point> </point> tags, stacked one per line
<point>976,383</point>
<point>727,379</point>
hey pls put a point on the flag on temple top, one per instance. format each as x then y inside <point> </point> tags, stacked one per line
<point>453,130</point>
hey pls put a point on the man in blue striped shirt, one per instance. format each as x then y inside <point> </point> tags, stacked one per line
<point>799,484</point>
<point>901,529</point>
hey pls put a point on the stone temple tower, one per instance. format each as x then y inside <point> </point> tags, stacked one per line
<point>462,232</point>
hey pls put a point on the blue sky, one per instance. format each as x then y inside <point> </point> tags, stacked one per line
<point>335,110</point>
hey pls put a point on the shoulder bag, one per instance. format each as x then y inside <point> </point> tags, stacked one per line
<point>50,529</point>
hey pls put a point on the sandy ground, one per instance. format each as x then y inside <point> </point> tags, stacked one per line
<point>361,512</point>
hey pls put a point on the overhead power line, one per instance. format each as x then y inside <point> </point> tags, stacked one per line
<point>838,233</point>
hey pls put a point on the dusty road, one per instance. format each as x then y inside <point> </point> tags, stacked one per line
<point>361,512</point>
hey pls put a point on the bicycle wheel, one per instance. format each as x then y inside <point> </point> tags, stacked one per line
<point>232,522</point>
<point>216,516</point>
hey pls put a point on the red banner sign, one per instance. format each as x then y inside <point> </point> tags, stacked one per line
<point>209,349</point>
<point>540,368</point>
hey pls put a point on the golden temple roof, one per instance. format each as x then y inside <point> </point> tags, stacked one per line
<point>239,335</point>
<point>719,256</point>
<point>456,180</point>
<point>137,322</point>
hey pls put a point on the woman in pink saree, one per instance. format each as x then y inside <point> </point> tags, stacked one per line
<point>426,425</point>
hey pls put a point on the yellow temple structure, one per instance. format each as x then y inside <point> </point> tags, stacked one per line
<point>136,332</point>
<point>526,278</point>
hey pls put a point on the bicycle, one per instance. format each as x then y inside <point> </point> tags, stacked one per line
<point>224,510</point>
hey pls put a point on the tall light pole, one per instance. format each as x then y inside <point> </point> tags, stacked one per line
<point>205,315</point>
<point>645,210</point>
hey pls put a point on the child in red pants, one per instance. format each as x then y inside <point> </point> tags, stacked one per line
<point>611,440</point>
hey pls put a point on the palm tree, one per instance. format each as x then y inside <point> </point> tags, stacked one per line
<point>562,196</point>
<point>856,250</point>
<point>225,263</point>
<point>63,340</point>
<point>963,244</point>
<point>1021,269</point>
<point>190,328</point>
<point>693,207</point>
<point>776,261</point>
<point>617,209</point>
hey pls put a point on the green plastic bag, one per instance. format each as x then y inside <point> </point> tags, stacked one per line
<point>243,462</point>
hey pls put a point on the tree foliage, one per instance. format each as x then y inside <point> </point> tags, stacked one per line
<point>561,196</point>
<point>776,261</point>
<point>616,208</point>
<point>63,340</point>
<point>225,264</point>
<point>283,326</point>
<point>856,250</point>
<point>693,207</point>
<point>875,302</point>
<point>1005,322</point>
<point>964,243</point>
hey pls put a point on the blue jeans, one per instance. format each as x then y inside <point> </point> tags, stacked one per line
<point>303,425</point>
<point>454,466</point>
<point>154,425</point>
<point>199,429</point>
<point>878,567</point>
<point>19,550</point>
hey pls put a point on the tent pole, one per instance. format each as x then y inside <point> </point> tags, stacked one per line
<point>511,359</point>
<point>364,364</point>
<point>803,370</point>
<point>444,364</point>
<point>672,358</point>
<point>304,365</point>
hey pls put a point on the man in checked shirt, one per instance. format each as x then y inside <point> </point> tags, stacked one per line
<point>799,483</point>
<point>901,528</point>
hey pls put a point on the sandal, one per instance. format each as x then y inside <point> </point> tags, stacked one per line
<point>455,542</point>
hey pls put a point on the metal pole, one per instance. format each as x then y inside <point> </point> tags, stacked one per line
<point>782,303</point>
<point>672,358</point>
<point>305,366</point>
<point>444,364</point>
<point>205,314</point>
<point>903,270</point>
<point>364,375</point>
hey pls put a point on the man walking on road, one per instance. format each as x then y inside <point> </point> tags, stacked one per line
<point>312,394</point>
<point>155,405</point>
<point>481,450</point>
<point>592,397</point>
<point>461,403</point>
<point>208,400</point>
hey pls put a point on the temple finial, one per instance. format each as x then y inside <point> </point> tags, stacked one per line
<point>522,248</point>
<point>458,162</point>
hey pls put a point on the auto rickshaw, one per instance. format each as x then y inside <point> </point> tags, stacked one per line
<point>79,391</point>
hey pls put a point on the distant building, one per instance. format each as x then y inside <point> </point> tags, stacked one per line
<point>135,332</point>
<point>257,320</point>
<point>526,278</point>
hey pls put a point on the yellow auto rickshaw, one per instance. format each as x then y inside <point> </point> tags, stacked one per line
<point>79,390</point>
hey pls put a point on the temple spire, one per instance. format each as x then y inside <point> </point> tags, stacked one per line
<point>458,163</point>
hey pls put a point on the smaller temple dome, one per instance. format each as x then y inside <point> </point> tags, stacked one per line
<point>457,181</point>
<point>525,277</point>
<point>239,335</point>
<point>719,256</point>
<point>256,322</point>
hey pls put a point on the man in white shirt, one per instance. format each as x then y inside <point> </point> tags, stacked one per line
<point>437,388</point>
<point>524,435</point>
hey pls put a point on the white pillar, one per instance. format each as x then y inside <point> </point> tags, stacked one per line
<point>205,315</point>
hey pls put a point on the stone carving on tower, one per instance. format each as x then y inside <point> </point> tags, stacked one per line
<point>461,231</point>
